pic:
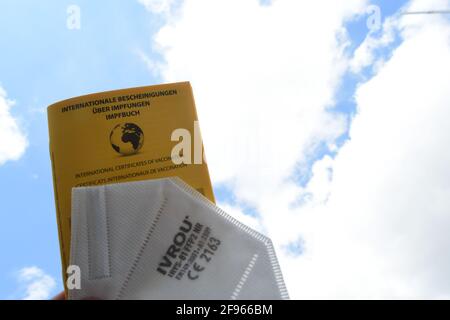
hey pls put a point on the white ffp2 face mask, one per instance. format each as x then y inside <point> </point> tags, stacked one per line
<point>160,239</point>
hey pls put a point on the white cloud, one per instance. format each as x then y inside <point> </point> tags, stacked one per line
<point>365,55</point>
<point>238,213</point>
<point>264,78</point>
<point>36,284</point>
<point>157,6</point>
<point>384,231</point>
<point>152,65</point>
<point>373,221</point>
<point>14,141</point>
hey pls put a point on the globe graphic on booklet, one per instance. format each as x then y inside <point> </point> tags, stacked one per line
<point>126,138</point>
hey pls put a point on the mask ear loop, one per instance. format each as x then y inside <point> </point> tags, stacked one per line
<point>99,257</point>
<point>75,228</point>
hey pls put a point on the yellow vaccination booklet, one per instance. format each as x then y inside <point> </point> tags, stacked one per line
<point>118,136</point>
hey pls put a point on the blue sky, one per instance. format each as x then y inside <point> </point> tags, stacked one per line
<point>42,61</point>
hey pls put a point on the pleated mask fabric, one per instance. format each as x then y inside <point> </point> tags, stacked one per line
<point>161,239</point>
